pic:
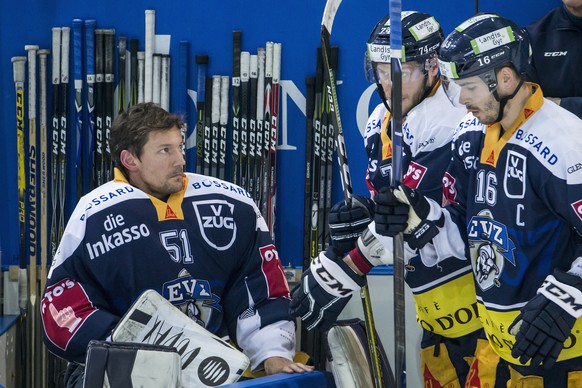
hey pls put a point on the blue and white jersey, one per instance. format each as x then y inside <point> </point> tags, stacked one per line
<point>444,294</point>
<point>516,196</point>
<point>207,250</point>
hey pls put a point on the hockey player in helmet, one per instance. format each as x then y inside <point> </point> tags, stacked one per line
<point>439,291</point>
<point>513,182</point>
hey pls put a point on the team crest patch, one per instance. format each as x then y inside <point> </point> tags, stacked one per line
<point>514,177</point>
<point>490,248</point>
<point>578,208</point>
<point>216,222</point>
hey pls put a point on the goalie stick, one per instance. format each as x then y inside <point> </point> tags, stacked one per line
<point>331,8</point>
<point>395,180</point>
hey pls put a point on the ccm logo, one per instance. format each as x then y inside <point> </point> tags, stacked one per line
<point>555,53</point>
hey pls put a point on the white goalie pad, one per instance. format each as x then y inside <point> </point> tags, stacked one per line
<point>207,360</point>
<point>347,354</point>
<point>123,365</point>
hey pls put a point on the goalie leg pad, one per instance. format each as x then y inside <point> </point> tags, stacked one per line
<point>121,365</point>
<point>346,346</point>
<point>207,360</point>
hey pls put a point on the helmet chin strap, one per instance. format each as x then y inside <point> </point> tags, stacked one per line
<point>503,100</point>
<point>382,95</point>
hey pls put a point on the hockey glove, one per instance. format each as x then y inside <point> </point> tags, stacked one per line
<point>546,321</point>
<point>324,290</point>
<point>347,222</point>
<point>405,210</point>
<point>370,252</point>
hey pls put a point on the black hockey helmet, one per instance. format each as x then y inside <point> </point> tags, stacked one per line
<point>421,38</point>
<point>484,42</point>
<point>478,47</point>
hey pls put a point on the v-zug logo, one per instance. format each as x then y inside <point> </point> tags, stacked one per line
<point>515,174</point>
<point>216,222</point>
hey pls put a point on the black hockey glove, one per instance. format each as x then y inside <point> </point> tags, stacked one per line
<point>546,321</point>
<point>347,222</point>
<point>324,290</point>
<point>405,210</point>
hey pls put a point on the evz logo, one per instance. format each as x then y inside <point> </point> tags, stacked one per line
<point>515,174</point>
<point>216,222</point>
<point>490,247</point>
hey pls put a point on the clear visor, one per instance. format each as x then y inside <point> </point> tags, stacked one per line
<point>382,72</point>
<point>469,91</point>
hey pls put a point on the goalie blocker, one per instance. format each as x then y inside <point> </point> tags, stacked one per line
<point>206,360</point>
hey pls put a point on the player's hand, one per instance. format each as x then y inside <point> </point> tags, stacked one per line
<point>347,222</point>
<point>325,288</point>
<point>547,320</point>
<point>370,252</point>
<point>274,365</point>
<point>405,210</point>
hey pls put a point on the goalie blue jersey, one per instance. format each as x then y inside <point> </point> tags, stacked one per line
<point>207,250</point>
<point>516,197</point>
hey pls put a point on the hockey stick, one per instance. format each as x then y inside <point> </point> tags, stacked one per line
<point>201,61</point>
<point>184,77</point>
<point>121,99</point>
<point>133,76</point>
<point>245,62</point>
<point>78,80</point>
<point>90,180</point>
<point>215,122</point>
<point>326,25</point>
<point>207,125</point>
<point>254,75</point>
<point>395,180</point>
<point>260,114</point>
<point>165,83</point>
<point>267,126</point>
<point>65,46</point>
<point>43,54</point>
<point>324,119</point>
<point>309,110</point>
<point>140,76</point>
<point>272,198</point>
<point>236,42</point>
<point>108,100</point>
<point>18,64</point>
<point>32,211</point>
<point>150,32</point>
<point>224,82</point>
<point>329,160</point>
<point>157,79</point>
<point>99,107</point>
<point>56,80</point>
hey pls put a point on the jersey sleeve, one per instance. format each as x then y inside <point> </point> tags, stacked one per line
<point>73,310</point>
<point>256,302</point>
